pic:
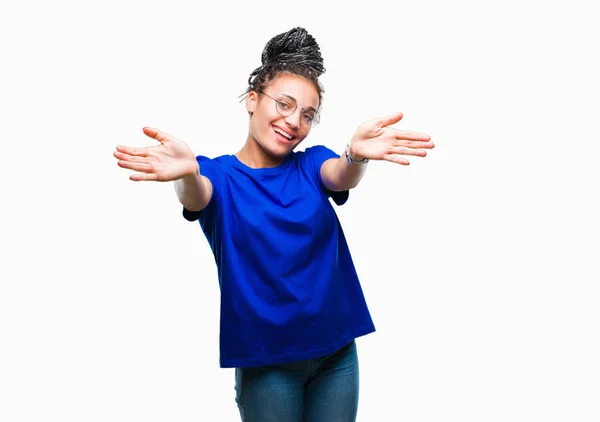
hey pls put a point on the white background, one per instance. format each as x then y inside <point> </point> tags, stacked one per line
<point>479,262</point>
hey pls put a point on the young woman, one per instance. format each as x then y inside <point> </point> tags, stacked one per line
<point>291,301</point>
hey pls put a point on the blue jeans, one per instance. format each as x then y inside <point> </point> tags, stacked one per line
<point>322,389</point>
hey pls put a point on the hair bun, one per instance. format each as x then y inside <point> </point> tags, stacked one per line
<point>295,47</point>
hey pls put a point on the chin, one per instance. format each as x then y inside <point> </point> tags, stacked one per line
<point>286,149</point>
<point>281,150</point>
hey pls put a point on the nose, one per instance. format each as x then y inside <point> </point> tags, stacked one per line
<point>294,120</point>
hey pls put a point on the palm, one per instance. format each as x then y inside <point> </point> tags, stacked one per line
<point>171,160</point>
<point>375,140</point>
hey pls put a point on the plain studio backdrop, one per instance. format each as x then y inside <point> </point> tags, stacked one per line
<point>479,262</point>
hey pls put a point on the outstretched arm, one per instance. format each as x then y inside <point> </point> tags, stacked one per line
<point>172,160</point>
<point>373,140</point>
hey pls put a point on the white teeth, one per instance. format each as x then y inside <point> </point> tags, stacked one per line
<point>283,133</point>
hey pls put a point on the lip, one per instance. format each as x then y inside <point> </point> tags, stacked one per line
<point>277,135</point>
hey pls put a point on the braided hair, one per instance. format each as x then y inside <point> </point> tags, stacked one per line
<point>295,52</point>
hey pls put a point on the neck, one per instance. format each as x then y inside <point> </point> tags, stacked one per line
<point>254,156</point>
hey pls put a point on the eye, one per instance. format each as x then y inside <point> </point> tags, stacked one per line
<point>308,118</point>
<point>283,105</point>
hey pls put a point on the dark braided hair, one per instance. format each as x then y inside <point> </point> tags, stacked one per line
<point>295,52</point>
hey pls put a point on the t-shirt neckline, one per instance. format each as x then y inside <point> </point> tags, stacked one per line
<point>237,163</point>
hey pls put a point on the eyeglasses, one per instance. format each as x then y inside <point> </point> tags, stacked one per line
<point>287,106</point>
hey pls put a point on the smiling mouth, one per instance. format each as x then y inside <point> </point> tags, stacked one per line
<point>283,134</point>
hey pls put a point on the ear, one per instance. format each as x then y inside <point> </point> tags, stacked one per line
<point>251,101</point>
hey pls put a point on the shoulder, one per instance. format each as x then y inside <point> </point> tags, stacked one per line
<point>318,153</point>
<point>220,160</point>
<point>314,156</point>
<point>215,164</point>
<point>214,169</point>
<point>317,149</point>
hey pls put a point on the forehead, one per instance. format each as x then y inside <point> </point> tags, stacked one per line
<point>298,87</point>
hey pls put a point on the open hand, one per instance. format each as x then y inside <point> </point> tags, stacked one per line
<point>171,160</point>
<point>375,140</point>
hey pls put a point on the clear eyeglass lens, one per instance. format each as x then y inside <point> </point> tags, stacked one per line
<point>286,108</point>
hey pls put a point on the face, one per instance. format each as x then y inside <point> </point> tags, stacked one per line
<point>267,124</point>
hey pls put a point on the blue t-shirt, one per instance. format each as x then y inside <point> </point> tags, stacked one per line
<point>289,289</point>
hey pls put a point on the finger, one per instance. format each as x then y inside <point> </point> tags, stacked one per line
<point>408,151</point>
<point>143,177</point>
<point>391,119</point>
<point>141,167</point>
<point>408,135</point>
<point>412,144</point>
<point>396,159</point>
<point>140,152</point>
<point>131,158</point>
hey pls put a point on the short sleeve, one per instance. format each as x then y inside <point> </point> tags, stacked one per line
<point>315,157</point>
<point>211,169</point>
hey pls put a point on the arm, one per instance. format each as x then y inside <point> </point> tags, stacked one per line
<point>172,160</point>
<point>194,191</point>
<point>337,175</point>
<point>373,140</point>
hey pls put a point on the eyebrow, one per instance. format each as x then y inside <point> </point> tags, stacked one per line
<point>296,101</point>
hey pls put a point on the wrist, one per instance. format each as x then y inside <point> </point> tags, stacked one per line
<point>192,171</point>
<point>352,156</point>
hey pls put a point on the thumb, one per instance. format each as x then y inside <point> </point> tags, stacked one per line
<point>156,134</point>
<point>391,119</point>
